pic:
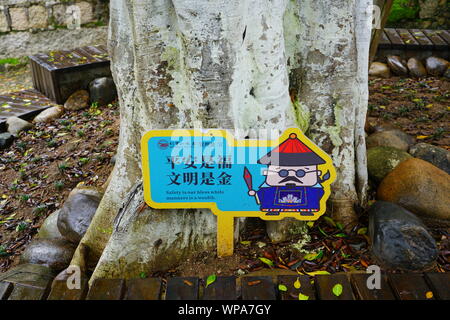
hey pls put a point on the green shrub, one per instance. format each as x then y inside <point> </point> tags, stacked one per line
<point>404,10</point>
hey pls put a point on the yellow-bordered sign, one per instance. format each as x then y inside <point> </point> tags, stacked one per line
<point>271,179</point>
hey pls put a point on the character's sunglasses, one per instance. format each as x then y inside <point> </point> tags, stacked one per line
<point>299,173</point>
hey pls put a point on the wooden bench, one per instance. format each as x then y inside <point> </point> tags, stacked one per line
<point>24,104</point>
<point>419,43</point>
<point>415,286</point>
<point>58,74</point>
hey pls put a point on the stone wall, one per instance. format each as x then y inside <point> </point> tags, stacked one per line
<point>28,27</point>
<point>41,15</point>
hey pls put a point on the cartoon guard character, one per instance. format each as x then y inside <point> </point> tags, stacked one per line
<point>292,179</point>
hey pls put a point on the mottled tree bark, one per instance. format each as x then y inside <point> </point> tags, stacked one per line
<point>227,64</point>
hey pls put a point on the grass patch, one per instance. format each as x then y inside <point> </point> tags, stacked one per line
<point>11,61</point>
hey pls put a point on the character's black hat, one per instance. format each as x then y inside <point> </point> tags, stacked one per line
<point>291,152</point>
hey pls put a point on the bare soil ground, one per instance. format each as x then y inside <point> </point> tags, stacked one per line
<point>44,164</point>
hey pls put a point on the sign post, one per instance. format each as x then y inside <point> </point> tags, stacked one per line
<point>271,179</point>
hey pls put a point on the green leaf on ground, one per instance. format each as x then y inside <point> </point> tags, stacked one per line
<point>282,287</point>
<point>210,280</point>
<point>267,261</point>
<point>302,296</point>
<point>337,289</point>
<point>362,231</point>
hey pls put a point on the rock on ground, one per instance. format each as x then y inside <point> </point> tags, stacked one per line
<point>382,160</point>
<point>379,69</point>
<point>390,138</point>
<point>434,155</point>
<point>15,125</point>
<point>49,114</point>
<point>397,65</point>
<point>102,90</point>
<point>6,139</point>
<point>416,68</point>
<point>77,101</point>
<point>77,212</point>
<point>49,229</point>
<point>419,187</point>
<point>436,66</point>
<point>399,238</point>
<point>53,253</point>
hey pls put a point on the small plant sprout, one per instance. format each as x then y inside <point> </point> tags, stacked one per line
<point>63,166</point>
<point>59,185</point>
<point>21,226</point>
<point>24,197</point>
<point>80,133</point>
<point>84,161</point>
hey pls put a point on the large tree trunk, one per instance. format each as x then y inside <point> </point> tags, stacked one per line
<point>227,64</point>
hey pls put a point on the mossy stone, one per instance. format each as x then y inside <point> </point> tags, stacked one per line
<point>382,160</point>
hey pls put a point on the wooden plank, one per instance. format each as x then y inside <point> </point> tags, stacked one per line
<point>396,40</point>
<point>258,288</point>
<point>143,289</point>
<point>60,291</point>
<point>5,289</point>
<point>25,292</point>
<point>359,282</point>
<point>445,35</point>
<point>421,38</point>
<point>306,287</point>
<point>325,284</point>
<point>106,289</point>
<point>410,286</point>
<point>24,105</point>
<point>182,288</point>
<point>224,288</point>
<point>408,38</point>
<point>385,43</point>
<point>438,42</point>
<point>440,284</point>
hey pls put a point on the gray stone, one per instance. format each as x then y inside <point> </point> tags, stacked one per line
<point>382,160</point>
<point>16,44</point>
<point>390,138</point>
<point>19,19</point>
<point>15,125</point>
<point>416,68</point>
<point>379,69</point>
<point>436,66</point>
<point>37,16</point>
<point>59,14</point>
<point>86,12</point>
<point>102,90</point>
<point>6,140</point>
<point>428,8</point>
<point>53,253</point>
<point>49,229</point>
<point>77,101</point>
<point>4,27</point>
<point>77,212</point>
<point>399,238</point>
<point>49,114</point>
<point>434,155</point>
<point>397,65</point>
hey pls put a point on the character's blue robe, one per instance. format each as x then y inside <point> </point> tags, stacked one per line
<point>290,198</point>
